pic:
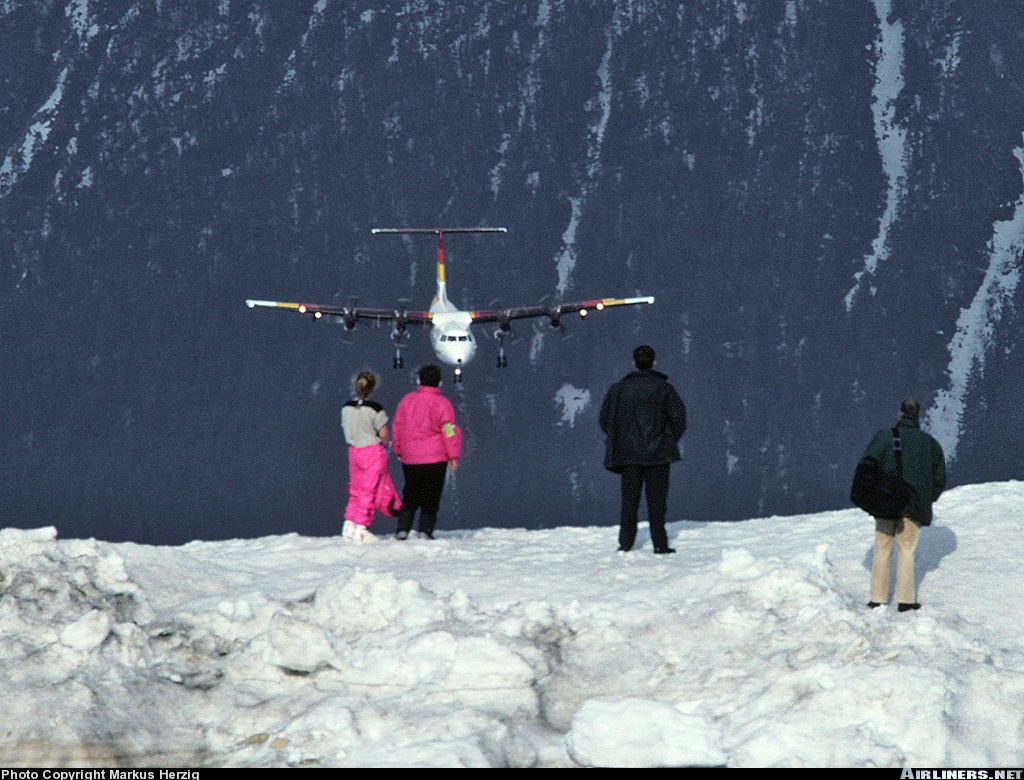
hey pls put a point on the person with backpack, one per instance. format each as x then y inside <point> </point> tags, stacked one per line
<point>917,458</point>
<point>370,489</point>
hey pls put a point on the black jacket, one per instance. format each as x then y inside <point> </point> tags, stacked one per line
<point>924,467</point>
<point>643,418</point>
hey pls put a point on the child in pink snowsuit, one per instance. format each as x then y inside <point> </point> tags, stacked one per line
<point>370,488</point>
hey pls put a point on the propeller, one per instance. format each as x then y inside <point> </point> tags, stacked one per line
<point>555,319</point>
<point>348,319</point>
<point>399,334</point>
<point>401,312</point>
<point>556,325</point>
<point>504,329</point>
<point>504,323</point>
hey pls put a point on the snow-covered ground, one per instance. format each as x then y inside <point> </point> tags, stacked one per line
<point>752,646</point>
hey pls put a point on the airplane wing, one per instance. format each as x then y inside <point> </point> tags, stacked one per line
<point>555,311</point>
<point>349,315</point>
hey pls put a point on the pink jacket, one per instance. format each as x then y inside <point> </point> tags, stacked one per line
<point>424,429</point>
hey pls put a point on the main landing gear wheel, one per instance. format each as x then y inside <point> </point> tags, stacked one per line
<point>501,333</point>
<point>399,337</point>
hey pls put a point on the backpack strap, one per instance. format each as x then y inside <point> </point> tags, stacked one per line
<point>897,448</point>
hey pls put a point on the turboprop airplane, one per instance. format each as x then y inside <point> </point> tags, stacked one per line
<point>450,333</point>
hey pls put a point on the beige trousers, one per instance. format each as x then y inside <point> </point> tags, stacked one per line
<point>906,536</point>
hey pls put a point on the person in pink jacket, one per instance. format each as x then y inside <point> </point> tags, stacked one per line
<point>370,489</point>
<point>427,441</point>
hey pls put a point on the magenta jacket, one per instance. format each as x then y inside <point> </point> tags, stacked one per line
<point>424,429</point>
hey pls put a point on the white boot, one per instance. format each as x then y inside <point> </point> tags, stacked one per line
<point>348,530</point>
<point>362,534</point>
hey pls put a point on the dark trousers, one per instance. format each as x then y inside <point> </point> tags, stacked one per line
<point>424,483</point>
<point>654,481</point>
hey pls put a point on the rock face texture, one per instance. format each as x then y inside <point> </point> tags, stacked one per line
<point>825,198</point>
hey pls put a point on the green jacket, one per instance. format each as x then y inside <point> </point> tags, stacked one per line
<point>924,466</point>
<point>643,418</point>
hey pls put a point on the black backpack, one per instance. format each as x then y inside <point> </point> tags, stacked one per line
<point>879,494</point>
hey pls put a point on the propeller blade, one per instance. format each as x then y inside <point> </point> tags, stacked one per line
<point>505,332</point>
<point>400,313</point>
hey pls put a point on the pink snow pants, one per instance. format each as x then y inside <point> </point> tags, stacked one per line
<point>370,488</point>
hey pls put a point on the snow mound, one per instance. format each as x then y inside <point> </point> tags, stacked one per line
<point>751,647</point>
<point>641,733</point>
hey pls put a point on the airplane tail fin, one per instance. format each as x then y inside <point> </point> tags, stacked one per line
<point>439,232</point>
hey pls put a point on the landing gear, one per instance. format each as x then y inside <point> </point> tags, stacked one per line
<point>399,337</point>
<point>500,335</point>
<point>458,375</point>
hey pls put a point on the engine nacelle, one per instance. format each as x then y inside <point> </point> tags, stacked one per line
<point>555,317</point>
<point>503,331</point>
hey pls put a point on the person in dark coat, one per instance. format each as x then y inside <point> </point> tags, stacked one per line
<point>643,419</point>
<point>924,469</point>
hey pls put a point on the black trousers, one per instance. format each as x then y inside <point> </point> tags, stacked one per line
<point>424,484</point>
<point>654,481</point>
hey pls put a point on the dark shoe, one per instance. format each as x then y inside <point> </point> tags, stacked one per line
<point>401,535</point>
<point>665,550</point>
<point>427,525</point>
<point>624,549</point>
<point>908,607</point>
<point>874,604</point>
